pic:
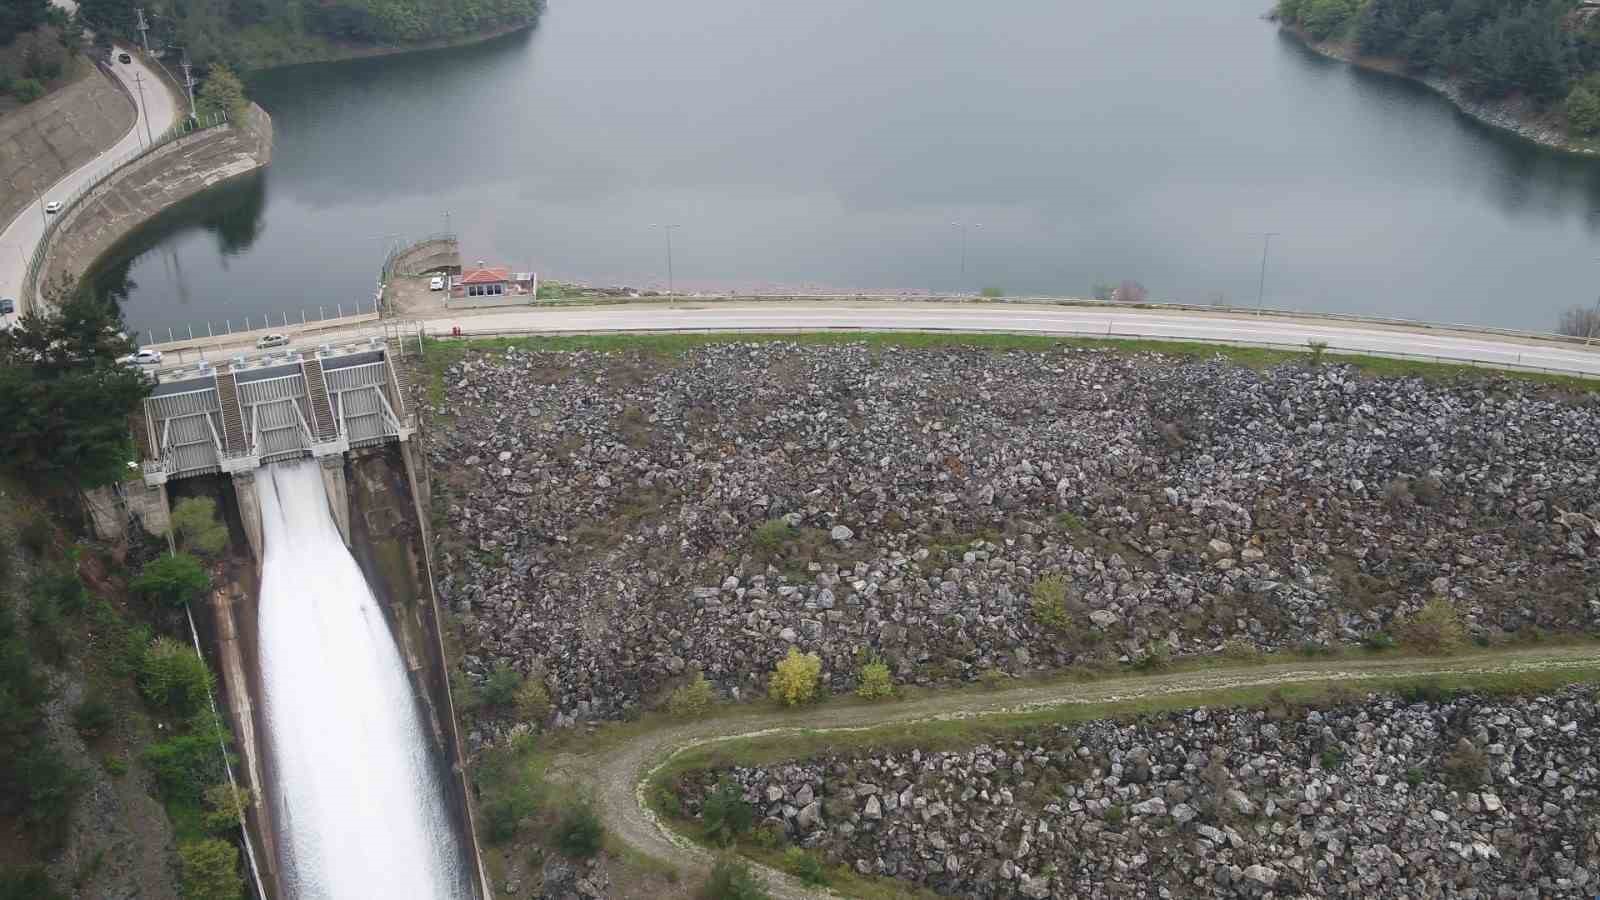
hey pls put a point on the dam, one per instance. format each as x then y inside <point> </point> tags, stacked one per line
<point>331,662</point>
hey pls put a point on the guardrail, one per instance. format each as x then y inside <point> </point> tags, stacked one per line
<point>41,250</point>
<point>398,249</point>
<point>467,334</point>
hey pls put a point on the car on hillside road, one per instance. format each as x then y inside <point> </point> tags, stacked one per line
<point>268,341</point>
<point>143,357</point>
<point>436,283</point>
<point>53,207</point>
<point>124,58</point>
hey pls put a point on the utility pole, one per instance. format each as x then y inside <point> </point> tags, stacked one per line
<point>138,82</point>
<point>188,82</point>
<point>144,29</point>
<point>964,226</point>
<point>1261,290</point>
<point>671,287</point>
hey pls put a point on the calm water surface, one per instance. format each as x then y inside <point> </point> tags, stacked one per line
<point>832,144</point>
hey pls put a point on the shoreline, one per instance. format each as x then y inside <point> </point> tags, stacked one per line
<point>347,53</point>
<point>1511,115</point>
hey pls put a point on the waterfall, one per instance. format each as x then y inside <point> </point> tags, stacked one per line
<point>361,806</point>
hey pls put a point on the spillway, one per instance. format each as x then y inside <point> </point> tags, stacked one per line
<point>359,799</point>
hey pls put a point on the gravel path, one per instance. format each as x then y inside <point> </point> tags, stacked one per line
<point>617,775</point>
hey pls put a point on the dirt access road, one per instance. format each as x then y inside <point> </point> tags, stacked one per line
<point>617,775</point>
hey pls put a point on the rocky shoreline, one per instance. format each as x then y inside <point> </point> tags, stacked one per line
<point>619,521</point>
<point>1374,797</point>
<point>1516,116</point>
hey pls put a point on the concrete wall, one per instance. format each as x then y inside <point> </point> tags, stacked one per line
<point>109,512</point>
<point>146,186</point>
<point>244,489</point>
<point>54,135</point>
<point>438,254</point>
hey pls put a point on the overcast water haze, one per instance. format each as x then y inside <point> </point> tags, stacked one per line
<point>833,145</point>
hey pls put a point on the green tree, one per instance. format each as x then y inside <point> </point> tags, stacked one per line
<point>222,92</point>
<point>210,870</point>
<point>174,580</point>
<point>731,879</point>
<point>692,699</point>
<point>579,832</point>
<point>794,681</point>
<point>225,806</point>
<point>186,764</point>
<point>725,814</point>
<point>174,676</point>
<point>1583,107</point>
<point>19,16</point>
<point>194,521</point>
<point>1325,18</point>
<point>875,681</point>
<point>500,688</point>
<point>63,396</point>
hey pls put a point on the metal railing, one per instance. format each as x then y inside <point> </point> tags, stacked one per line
<point>41,250</point>
<point>398,249</point>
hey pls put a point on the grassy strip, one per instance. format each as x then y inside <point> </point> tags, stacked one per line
<point>955,734</point>
<point>949,734</point>
<point>440,354</point>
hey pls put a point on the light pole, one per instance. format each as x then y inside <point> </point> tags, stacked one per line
<point>138,82</point>
<point>1261,289</point>
<point>964,226</point>
<point>667,229</point>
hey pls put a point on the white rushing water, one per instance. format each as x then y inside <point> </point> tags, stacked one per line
<point>361,810</point>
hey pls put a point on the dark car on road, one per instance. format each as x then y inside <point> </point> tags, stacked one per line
<point>123,57</point>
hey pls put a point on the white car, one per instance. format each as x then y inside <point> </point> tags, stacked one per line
<point>53,207</point>
<point>436,283</point>
<point>144,357</point>
<point>272,340</point>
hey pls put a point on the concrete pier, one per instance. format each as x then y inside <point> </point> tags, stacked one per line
<point>244,488</point>
<point>333,481</point>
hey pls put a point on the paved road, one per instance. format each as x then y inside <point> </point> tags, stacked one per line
<point>159,110</point>
<point>617,773</point>
<point>1447,345</point>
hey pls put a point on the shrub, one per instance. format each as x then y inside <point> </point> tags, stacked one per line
<point>64,590</point>
<point>725,814</point>
<point>27,90</point>
<point>769,537</point>
<point>1414,776</point>
<point>1317,348</point>
<point>533,699</point>
<point>174,676</point>
<point>36,535</point>
<point>1378,642</point>
<point>794,681</point>
<point>1436,629</point>
<point>93,717</point>
<point>579,831</point>
<point>1115,815</point>
<point>50,787</point>
<point>1332,758</point>
<point>194,521</point>
<point>185,764</point>
<point>1050,602</point>
<point>805,867</point>
<point>731,879</point>
<point>1467,767</point>
<point>1130,292</point>
<point>692,699</point>
<point>1241,650</point>
<point>875,681</point>
<point>502,815</point>
<point>1156,659</point>
<point>1324,18</point>
<point>225,806</point>
<point>1397,495</point>
<point>993,679</point>
<point>174,580</point>
<point>992,293</point>
<point>500,688</point>
<point>210,870</point>
<point>27,883</point>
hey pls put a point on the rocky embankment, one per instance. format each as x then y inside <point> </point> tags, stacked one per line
<point>619,520</point>
<point>1376,798</point>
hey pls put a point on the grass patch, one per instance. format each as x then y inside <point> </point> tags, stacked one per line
<point>440,353</point>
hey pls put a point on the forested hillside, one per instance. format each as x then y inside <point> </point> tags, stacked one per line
<point>1548,50</point>
<point>250,34</point>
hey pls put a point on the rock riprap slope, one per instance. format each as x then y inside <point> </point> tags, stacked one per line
<point>1468,797</point>
<point>617,520</point>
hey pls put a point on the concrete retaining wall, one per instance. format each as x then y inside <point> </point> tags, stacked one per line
<point>54,135</point>
<point>146,186</point>
<point>433,255</point>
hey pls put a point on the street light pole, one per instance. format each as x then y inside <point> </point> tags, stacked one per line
<point>964,226</point>
<point>1261,289</point>
<point>667,229</point>
<point>138,82</point>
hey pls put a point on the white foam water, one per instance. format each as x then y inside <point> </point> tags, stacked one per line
<point>361,810</point>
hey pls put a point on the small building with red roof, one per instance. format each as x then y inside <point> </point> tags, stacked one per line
<point>492,284</point>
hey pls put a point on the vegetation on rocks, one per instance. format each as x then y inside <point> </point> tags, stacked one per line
<point>876,682</point>
<point>172,580</point>
<point>692,699</point>
<point>794,679</point>
<point>210,870</point>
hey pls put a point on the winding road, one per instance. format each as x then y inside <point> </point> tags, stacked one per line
<point>156,110</point>
<point>618,775</point>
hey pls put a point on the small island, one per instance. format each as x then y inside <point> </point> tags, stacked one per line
<point>1529,68</point>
